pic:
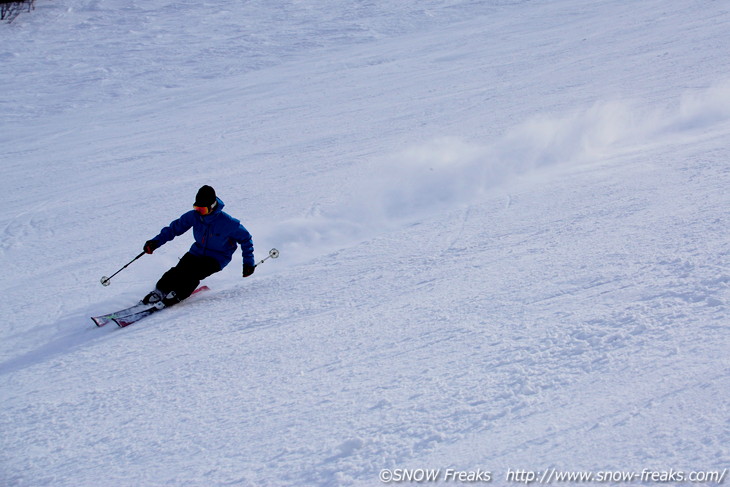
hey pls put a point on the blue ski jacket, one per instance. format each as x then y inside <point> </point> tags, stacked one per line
<point>216,235</point>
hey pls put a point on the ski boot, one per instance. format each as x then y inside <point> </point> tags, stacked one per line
<point>170,299</point>
<point>153,297</point>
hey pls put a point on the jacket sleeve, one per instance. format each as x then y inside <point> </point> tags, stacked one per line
<point>244,239</point>
<point>176,228</point>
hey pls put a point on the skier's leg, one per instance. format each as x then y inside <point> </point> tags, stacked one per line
<point>185,277</point>
<point>168,280</point>
<point>164,286</point>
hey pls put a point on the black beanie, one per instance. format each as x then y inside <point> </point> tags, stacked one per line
<point>205,196</point>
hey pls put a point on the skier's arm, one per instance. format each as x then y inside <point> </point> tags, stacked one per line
<point>244,239</point>
<point>175,228</point>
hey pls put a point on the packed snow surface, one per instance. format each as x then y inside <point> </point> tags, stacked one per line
<point>503,229</point>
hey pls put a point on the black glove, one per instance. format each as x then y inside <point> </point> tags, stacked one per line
<point>150,246</point>
<point>248,270</point>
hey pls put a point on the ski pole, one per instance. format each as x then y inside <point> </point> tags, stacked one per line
<point>273,253</point>
<point>105,280</point>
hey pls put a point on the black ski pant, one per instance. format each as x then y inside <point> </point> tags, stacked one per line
<point>186,275</point>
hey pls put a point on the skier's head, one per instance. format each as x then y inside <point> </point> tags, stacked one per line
<point>205,200</point>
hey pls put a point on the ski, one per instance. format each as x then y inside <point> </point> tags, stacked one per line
<point>133,318</point>
<point>127,316</point>
<point>108,318</point>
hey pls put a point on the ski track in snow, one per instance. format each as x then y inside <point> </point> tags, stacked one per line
<point>503,229</point>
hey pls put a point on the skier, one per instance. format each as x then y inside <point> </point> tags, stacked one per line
<point>217,235</point>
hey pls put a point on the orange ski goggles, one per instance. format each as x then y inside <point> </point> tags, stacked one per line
<point>203,210</point>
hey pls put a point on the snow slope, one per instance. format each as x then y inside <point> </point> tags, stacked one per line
<point>502,228</point>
